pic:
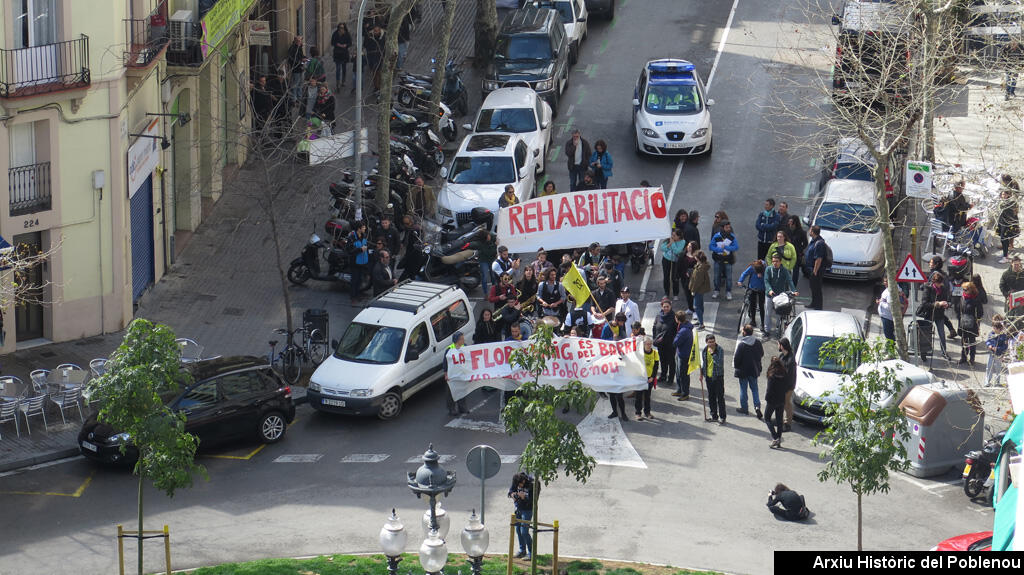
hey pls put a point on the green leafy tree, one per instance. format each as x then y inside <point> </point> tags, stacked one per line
<point>145,369</point>
<point>865,441</point>
<point>555,444</point>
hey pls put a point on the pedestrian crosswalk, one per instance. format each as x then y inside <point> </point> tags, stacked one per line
<point>371,458</point>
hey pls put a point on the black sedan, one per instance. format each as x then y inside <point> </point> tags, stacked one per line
<point>230,399</point>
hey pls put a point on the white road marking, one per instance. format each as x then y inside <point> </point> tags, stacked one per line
<point>365,458</point>
<point>651,310</point>
<point>924,487</point>
<point>442,459</point>
<point>508,459</point>
<point>605,441</point>
<point>721,45</point>
<point>300,458</point>
<point>478,406</point>
<point>40,466</point>
<point>476,425</point>
<point>668,200</point>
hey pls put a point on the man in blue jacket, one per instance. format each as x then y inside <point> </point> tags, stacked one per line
<point>683,343</point>
<point>767,224</point>
<point>723,252</point>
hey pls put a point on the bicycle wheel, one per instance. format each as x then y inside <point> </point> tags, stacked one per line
<point>743,314</point>
<point>317,347</point>
<point>290,368</point>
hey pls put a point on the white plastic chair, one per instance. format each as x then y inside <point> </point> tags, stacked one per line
<point>9,412</point>
<point>67,399</point>
<point>33,406</point>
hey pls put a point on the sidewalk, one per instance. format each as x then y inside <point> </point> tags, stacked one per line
<point>223,290</point>
<point>981,135</point>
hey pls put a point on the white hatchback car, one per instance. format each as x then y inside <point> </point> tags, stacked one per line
<point>817,379</point>
<point>517,111</point>
<point>849,224</point>
<point>670,110</point>
<point>483,166</point>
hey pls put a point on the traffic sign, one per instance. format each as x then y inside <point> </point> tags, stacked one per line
<point>483,461</point>
<point>919,179</point>
<point>910,272</point>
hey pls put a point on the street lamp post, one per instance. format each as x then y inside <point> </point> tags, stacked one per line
<point>475,539</point>
<point>432,480</point>
<point>392,541</point>
<point>357,135</point>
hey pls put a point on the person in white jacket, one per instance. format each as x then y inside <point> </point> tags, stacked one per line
<point>627,306</point>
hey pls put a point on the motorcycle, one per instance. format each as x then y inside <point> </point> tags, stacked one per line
<point>960,268</point>
<point>450,260</point>
<point>639,254</point>
<point>979,465</point>
<point>427,158</point>
<point>414,88</point>
<point>310,264</point>
<point>446,121</point>
<point>402,174</point>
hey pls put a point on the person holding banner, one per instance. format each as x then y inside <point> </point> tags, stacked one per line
<point>454,407</point>
<point>642,403</point>
<point>712,371</point>
<point>616,331</point>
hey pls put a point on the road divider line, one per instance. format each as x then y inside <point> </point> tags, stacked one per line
<point>721,45</point>
<point>553,155</point>
<point>668,202</point>
<point>76,493</point>
<point>569,110</point>
<point>579,100</point>
<point>604,46</point>
<point>807,190</point>
<point>245,457</point>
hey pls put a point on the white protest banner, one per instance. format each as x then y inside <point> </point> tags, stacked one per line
<point>608,366</point>
<point>615,216</point>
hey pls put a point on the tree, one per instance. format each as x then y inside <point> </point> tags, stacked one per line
<point>145,367</point>
<point>887,71</point>
<point>20,262</point>
<point>865,441</point>
<point>443,45</point>
<point>555,444</point>
<point>399,11</point>
<point>485,32</point>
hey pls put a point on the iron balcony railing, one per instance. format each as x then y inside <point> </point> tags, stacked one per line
<point>147,37</point>
<point>30,188</point>
<point>185,48</point>
<point>46,68</point>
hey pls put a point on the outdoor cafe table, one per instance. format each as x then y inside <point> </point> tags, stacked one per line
<point>65,379</point>
<point>11,389</point>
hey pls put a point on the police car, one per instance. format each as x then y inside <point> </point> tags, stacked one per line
<point>670,110</point>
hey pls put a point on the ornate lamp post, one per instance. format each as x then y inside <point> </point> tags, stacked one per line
<point>474,542</point>
<point>432,480</point>
<point>392,541</point>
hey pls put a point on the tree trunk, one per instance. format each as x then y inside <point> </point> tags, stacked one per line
<point>533,528</point>
<point>139,534</point>
<point>386,77</point>
<point>282,270</point>
<point>860,523</point>
<point>486,32</point>
<point>442,59</point>
<point>892,263</point>
<point>927,84</point>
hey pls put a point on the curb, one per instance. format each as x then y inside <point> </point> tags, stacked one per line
<point>38,458</point>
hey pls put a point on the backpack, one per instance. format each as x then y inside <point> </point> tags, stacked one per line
<point>826,262</point>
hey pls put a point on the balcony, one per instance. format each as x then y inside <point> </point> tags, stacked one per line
<point>30,188</point>
<point>147,38</point>
<point>43,69</point>
<point>185,47</point>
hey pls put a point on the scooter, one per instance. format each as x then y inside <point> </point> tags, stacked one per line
<point>450,260</point>
<point>403,172</point>
<point>979,465</point>
<point>427,158</point>
<point>960,268</point>
<point>417,87</point>
<point>639,254</point>
<point>445,122</point>
<point>317,252</point>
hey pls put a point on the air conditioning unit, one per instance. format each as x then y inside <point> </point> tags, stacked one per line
<point>180,30</point>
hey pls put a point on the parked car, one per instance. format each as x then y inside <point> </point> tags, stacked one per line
<point>848,158</point>
<point>980,541</point>
<point>991,26</point>
<point>574,18</point>
<point>231,398</point>
<point>482,167</point>
<point>603,8</point>
<point>532,51</point>
<point>392,349</point>
<point>671,115</point>
<point>849,224</point>
<point>517,111</point>
<point>817,379</point>
<point>872,50</point>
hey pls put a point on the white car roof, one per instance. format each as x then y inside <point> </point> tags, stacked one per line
<point>850,192</point>
<point>829,323</point>
<point>488,144</point>
<point>515,97</point>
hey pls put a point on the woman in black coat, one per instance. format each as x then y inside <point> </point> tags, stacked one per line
<point>972,309</point>
<point>933,307</point>
<point>486,330</point>
<point>341,41</point>
<point>775,398</point>
<point>665,328</point>
<point>797,237</point>
<point>1008,224</point>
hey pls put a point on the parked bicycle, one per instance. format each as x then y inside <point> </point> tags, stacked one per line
<point>784,306</point>
<point>288,363</point>
<point>745,312</point>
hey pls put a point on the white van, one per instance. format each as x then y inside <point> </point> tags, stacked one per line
<point>392,349</point>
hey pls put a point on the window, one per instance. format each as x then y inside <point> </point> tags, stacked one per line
<point>35,23</point>
<point>448,321</point>
<point>366,343</point>
<point>202,395</point>
<point>521,153</point>
<point>482,170</point>
<point>673,99</point>
<point>516,120</point>
<point>419,341</point>
<point>241,384</point>
<point>851,218</point>
<point>524,47</point>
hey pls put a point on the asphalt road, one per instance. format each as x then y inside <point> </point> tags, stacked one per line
<point>696,497</point>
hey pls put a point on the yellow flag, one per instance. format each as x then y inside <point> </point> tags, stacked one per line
<point>694,363</point>
<point>574,283</point>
